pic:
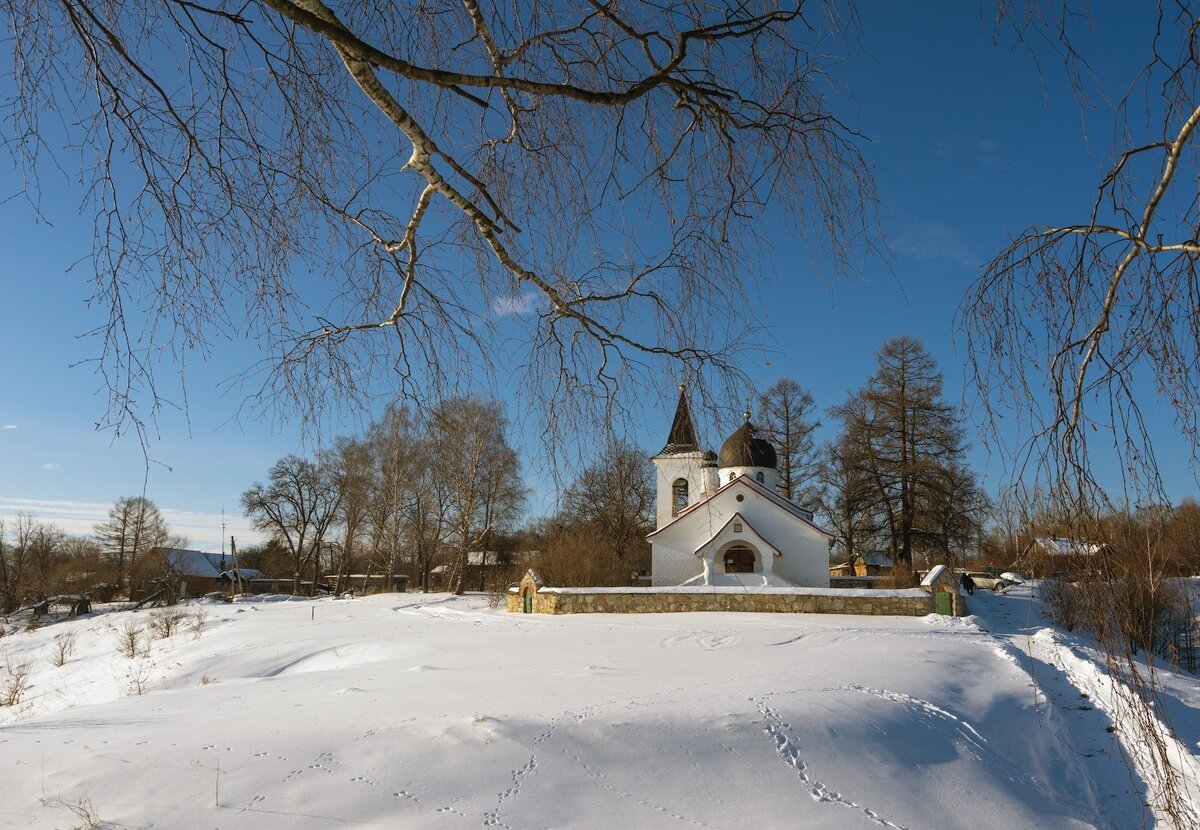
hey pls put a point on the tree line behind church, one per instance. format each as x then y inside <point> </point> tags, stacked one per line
<point>439,496</point>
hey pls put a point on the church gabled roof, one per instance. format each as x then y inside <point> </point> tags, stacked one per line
<point>682,437</point>
<point>751,533</point>
<point>744,480</point>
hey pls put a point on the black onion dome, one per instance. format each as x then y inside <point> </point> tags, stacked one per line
<point>745,449</point>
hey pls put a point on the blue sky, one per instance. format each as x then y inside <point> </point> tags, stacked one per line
<point>969,144</point>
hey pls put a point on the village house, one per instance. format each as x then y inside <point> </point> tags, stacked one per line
<point>1049,555</point>
<point>192,573</point>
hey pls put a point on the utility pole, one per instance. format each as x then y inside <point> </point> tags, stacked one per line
<point>233,552</point>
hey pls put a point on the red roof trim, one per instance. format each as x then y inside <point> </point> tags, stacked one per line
<point>779,500</point>
<point>746,521</point>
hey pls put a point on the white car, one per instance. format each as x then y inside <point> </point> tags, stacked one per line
<point>986,582</point>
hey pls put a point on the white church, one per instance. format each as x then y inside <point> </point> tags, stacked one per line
<point>721,519</point>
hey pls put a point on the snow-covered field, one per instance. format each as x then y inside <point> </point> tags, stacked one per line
<point>434,711</point>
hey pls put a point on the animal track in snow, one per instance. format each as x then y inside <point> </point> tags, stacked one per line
<point>323,762</point>
<point>788,749</point>
<point>612,788</point>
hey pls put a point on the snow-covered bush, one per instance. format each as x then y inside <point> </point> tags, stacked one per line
<point>63,648</point>
<point>16,681</point>
<point>164,623</point>
<point>129,642</point>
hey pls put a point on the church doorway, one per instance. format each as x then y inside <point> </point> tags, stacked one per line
<point>739,560</point>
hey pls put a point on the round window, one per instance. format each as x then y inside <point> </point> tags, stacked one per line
<point>741,497</point>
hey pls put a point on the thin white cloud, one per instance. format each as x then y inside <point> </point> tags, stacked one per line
<point>515,304</point>
<point>50,465</point>
<point>203,530</point>
<point>930,241</point>
<point>9,426</point>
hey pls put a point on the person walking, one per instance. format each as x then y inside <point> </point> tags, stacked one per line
<point>968,583</point>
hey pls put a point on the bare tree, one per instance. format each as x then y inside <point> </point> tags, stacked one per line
<point>1183,535</point>
<point>134,525</point>
<point>847,496</point>
<point>41,550</point>
<point>297,506</point>
<point>356,474</point>
<point>785,415</point>
<point>472,464</point>
<point>390,143</point>
<point>402,524</point>
<point>11,566</point>
<point>424,515</point>
<point>1078,325</point>
<point>611,504</point>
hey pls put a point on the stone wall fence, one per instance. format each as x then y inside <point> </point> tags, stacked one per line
<point>531,596</point>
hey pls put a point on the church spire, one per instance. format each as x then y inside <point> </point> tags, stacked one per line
<point>683,432</point>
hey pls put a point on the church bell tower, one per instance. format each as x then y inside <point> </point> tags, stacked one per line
<point>685,474</point>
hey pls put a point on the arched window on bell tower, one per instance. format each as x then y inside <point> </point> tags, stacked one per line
<point>679,496</point>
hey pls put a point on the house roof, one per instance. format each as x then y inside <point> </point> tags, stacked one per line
<point>195,562</point>
<point>779,501</point>
<point>484,557</point>
<point>933,575</point>
<point>876,558</point>
<point>1067,547</point>
<point>244,573</point>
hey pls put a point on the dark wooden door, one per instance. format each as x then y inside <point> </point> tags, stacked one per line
<point>739,561</point>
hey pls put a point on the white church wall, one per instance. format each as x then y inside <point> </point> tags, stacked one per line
<point>770,476</point>
<point>669,566</point>
<point>671,468</point>
<point>672,554</point>
<point>804,551</point>
<point>804,558</point>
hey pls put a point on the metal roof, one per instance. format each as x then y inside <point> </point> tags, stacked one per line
<point>682,437</point>
<point>745,449</point>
